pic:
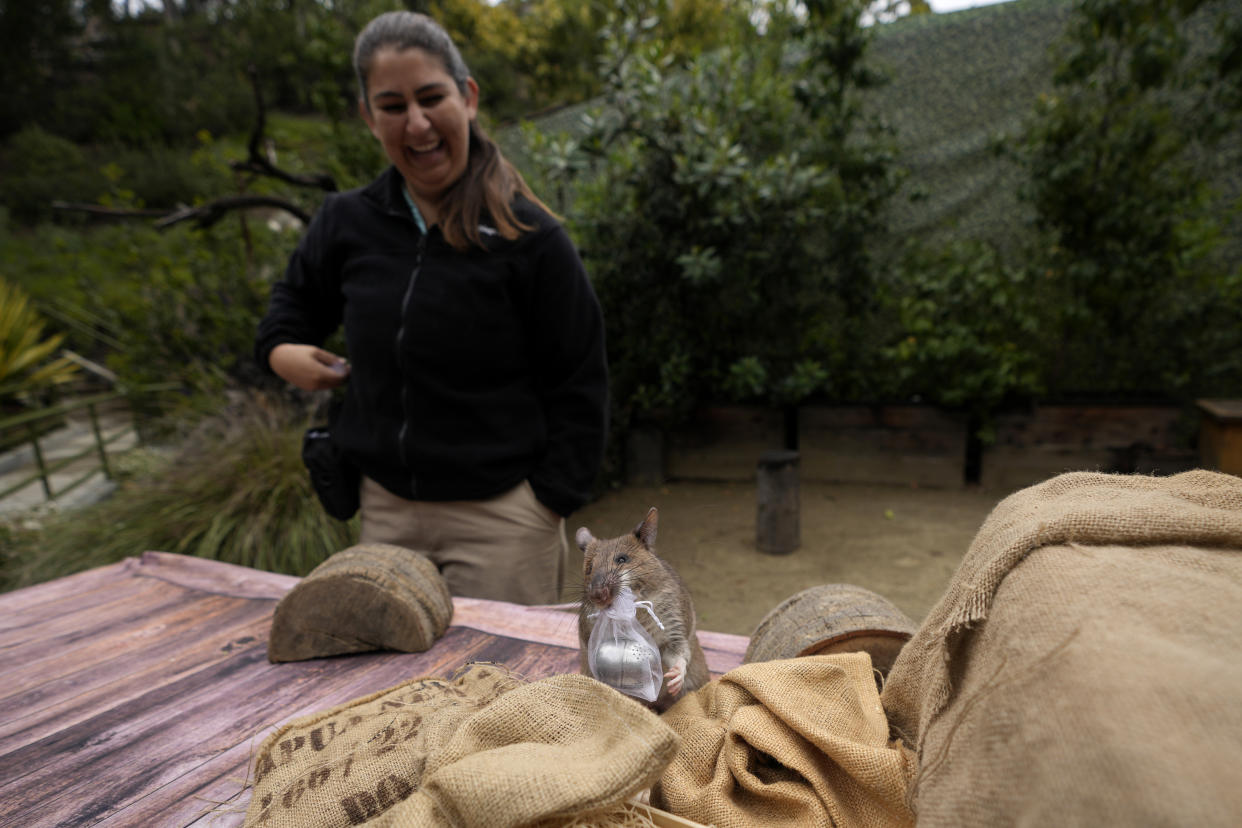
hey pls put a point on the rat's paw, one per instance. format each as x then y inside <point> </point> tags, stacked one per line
<point>675,677</point>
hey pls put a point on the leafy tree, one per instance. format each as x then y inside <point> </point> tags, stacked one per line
<point>724,215</point>
<point>149,74</point>
<point>533,55</point>
<point>886,11</point>
<point>160,74</point>
<point>1130,234</point>
<point>968,328</point>
<point>692,27</point>
<point>300,51</point>
<point>34,37</point>
<point>492,40</point>
<point>965,335</point>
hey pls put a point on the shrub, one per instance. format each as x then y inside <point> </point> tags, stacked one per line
<point>164,177</point>
<point>39,168</point>
<point>1130,251</point>
<point>183,304</point>
<point>235,491</point>
<point>724,214</point>
<point>967,330</point>
<point>190,311</point>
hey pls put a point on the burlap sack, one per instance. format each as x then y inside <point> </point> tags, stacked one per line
<point>1085,664</point>
<point>799,742</point>
<point>483,749</point>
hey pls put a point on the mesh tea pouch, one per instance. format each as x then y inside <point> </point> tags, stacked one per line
<point>621,653</point>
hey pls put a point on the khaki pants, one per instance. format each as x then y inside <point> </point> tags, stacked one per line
<point>507,548</point>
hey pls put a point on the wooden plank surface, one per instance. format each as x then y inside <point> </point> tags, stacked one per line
<point>135,694</point>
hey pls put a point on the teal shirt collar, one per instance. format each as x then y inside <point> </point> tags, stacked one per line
<point>418,217</point>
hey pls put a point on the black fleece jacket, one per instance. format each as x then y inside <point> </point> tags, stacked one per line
<point>470,371</point>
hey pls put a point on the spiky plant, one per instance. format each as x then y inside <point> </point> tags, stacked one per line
<point>26,367</point>
<point>236,490</point>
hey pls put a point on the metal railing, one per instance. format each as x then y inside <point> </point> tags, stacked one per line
<point>29,425</point>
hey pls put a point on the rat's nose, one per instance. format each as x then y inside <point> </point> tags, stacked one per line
<point>600,592</point>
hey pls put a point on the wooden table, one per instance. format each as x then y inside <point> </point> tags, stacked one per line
<point>134,694</point>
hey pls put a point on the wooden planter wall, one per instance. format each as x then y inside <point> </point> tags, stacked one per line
<point>918,445</point>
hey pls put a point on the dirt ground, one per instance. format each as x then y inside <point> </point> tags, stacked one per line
<point>903,543</point>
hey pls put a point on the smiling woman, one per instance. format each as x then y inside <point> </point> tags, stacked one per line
<point>475,393</point>
<point>422,120</point>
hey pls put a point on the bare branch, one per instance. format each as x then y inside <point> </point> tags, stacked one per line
<point>108,212</point>
<point>208,214</point>
<point>204,215</point>
<point>259,164</point>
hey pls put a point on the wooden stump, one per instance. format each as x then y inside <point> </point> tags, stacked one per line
<point>778,530</point>
<point>832,618</point>
<point>644,457</point>
<point>369,597</point>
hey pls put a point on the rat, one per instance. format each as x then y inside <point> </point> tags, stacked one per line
<point>631,560</point>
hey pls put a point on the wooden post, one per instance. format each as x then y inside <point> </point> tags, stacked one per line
<point>644,460</point>
<point>777,528</point>
<point>1220,435</point>
<point>99,441</point>
<point>39,462</point>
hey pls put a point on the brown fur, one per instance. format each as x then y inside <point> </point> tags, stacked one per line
<point>631,560</point>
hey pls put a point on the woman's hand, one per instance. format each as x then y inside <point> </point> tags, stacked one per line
<point>308,367</point>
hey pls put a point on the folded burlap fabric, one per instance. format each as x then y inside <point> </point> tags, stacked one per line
<point>483,749</point>
<point>799,742</point>
<point>1084,666</point>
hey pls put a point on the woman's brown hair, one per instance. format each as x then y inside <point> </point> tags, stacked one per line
<point>489,183</point>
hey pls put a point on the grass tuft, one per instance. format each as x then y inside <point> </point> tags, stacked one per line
<point>235,490</point>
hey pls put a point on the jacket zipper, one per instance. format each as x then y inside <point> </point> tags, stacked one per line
<point>407,401</point>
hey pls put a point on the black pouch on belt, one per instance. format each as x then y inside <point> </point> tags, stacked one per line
<point>334,478</point>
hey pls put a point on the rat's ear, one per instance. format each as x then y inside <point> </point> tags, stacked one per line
<point>646,531</point>
<point>584,538</point>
